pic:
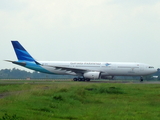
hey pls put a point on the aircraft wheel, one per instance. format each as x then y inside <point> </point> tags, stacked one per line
<point>74,79</point>
<point>83,79</point>
<point>141,79</point>
<point>79,79</point>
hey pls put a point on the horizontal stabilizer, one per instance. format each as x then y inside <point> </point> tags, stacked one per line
<point>17,62</point>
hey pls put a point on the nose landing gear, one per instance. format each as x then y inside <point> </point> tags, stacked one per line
<point>141,79</point>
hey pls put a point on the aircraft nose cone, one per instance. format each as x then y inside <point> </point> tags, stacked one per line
<point>155,70</point>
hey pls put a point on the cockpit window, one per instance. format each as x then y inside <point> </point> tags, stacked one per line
<point>151,67</point>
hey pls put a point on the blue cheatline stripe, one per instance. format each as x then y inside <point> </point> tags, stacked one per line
<point>21,53</point>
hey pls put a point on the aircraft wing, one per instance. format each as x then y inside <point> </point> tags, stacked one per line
<point>76,70</point>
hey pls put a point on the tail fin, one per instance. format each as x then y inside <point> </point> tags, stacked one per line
<point>21,53</point>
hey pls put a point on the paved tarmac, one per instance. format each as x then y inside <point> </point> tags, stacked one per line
<point>69,81</point>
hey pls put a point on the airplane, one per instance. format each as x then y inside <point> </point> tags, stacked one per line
<point>85,71</point>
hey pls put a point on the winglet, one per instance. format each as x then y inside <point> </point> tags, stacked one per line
<point>21,53</point>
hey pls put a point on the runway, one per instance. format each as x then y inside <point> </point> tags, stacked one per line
<point>5,82</point>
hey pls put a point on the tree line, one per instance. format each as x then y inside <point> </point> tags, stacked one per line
<point>22,74</point>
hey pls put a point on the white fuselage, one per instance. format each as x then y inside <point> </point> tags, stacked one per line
<point>106,68</point>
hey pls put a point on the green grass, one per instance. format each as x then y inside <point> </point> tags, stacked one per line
<point>80,101</point>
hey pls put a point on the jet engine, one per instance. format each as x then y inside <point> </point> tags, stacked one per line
<point>92,75</point>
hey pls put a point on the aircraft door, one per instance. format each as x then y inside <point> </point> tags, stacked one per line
<point>141,68</point>
<point>113,67</point>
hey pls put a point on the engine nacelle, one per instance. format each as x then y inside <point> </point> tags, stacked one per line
<point>106,77</point>
<point>92,75</point>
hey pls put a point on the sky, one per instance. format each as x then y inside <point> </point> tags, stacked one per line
<point>81,30</point>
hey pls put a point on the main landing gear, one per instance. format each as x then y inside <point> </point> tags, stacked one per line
<point>81,79</point>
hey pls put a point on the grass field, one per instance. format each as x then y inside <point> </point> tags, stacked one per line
<point>79,101</point>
